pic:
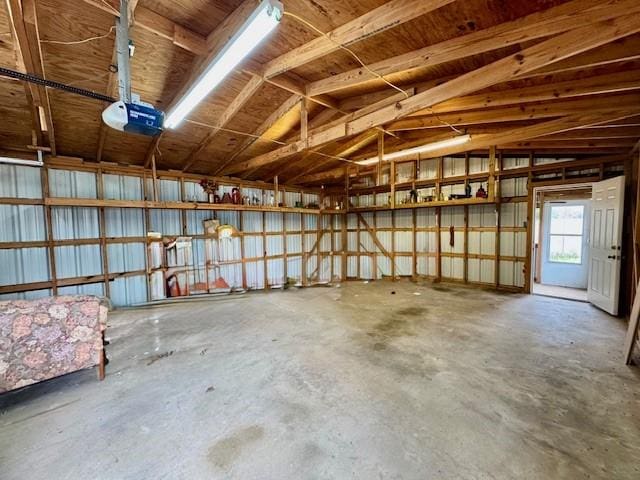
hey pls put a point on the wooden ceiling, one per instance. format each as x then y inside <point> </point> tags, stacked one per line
<point>544,75</point>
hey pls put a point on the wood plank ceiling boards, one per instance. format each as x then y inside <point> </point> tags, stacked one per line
<point>526,76</point>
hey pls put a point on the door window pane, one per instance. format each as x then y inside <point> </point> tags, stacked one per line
<point>567,219</point>
<point>565,239</point>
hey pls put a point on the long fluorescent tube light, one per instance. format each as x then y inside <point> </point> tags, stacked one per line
<point>21,161</point>
<point>255,29</point>
<point>430,147</point>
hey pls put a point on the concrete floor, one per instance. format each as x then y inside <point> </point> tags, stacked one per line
<point>560,292</point>
<point>337,383</point>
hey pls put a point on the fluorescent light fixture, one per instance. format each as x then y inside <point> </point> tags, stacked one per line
<point>20,161</point>
<point>430,147</point>
<point>255,29</point>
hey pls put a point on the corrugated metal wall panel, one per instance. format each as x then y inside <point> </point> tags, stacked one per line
<point>383,219</point>
<point>352,266</point>
<point>453,166</point>
<point>67,183</point>
<point>22,223</point>
<point>124,222</point>
<point>428,169</point>
<point>195,219</point>
<point>275,245</point>
<point>193,192</point>
<point>478,164</point>
<point>458,242</point>
<point>24,265</point>
<point>337,267</point>
<point>294,268</point>
<point>32,295</point>
<point>273,222</point>
<point>275,272</point>
<point>452,268</point>
<point>294,243</point>
<point>385,240</point>
<point>128,290</point>
<point>384,266</point>
<point>513,187</point>
<point>510,162</point>
<point>78,261</point>
<point>88,289</point>
<point>252,221</point>
<point>229,217</point>
<point>17,181</point>
<point>403,241</point>
<point>126,257</point>
<point>366,268</point>
<point>425,217</point>
<point>404,266</point>
<point>74,223</point>
<point>122,187</point>
<point>293,222</point>
<point>253,247</point>
<point>426,266</point>
<point>167,222</point>
<point>426,242</point>
<point>337,242</point>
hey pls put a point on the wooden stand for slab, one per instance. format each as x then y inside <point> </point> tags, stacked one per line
<point>632,331</point>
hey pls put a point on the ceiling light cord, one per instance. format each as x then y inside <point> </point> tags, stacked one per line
<point>258,137</point>
<point>347,49</point>
<point>78,42</point>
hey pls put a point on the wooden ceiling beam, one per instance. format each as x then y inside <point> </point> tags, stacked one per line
<point>386,16</point>
<point>151,21</point>
<point>24,23</point>
<point>270,121</point>
<point>509,136</point>
<point>518,112</point>
<point>348,148</point>
<point>535,26</point>
<point>247,92</point>
<point>544,53</point>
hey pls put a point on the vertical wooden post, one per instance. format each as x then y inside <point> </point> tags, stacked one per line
<point>304,121</point>
<point>414,249</point>
<point>102,231</point>
<point>44,178</point>
<point>154,180</point>
<point>438,244</point>
<point>393,245</point>
<point>242,254</point>
<point>392,181</point>
<point>380,158</point>
<point>305,257</point>
<point>264,248</point>
<point>344,235</point>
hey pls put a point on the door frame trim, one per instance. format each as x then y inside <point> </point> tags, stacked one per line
<point>531,215</point>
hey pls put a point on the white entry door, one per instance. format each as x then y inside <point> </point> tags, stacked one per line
<point>607,204</point>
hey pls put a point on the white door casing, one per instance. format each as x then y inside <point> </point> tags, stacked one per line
<point>607,206</point>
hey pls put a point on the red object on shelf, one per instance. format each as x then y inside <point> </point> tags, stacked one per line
<point>235,196</point>
<point>173,287</point>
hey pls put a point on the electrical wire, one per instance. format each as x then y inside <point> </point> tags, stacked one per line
<point>78,42</point>
<point>111,7</point>
<point>277,142</point>
<point>347,49</point>
<point>366,67</point>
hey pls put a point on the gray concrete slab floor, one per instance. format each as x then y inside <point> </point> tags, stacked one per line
<point>357,382</point>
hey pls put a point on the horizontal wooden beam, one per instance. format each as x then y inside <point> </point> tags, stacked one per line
<point>483,141</point>
<point>544,53</point>
<point>155,23</point>
<point>535,26</point>
<point>386,16</point>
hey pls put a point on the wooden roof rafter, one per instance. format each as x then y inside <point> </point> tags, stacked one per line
<point>24,23</point>
<point>537,56</point>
